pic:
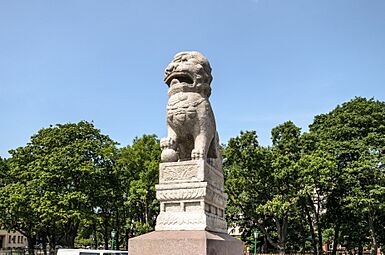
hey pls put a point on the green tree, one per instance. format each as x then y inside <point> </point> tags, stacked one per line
<point>139,170</point>
<point>316,169</point>
<point>354,133</point>
<point>246,170</point>
<point>262,184</point>
<point>17,199</point>
<point>55,179</point>
<point>282,205</point>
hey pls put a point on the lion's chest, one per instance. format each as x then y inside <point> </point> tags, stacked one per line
<point>182,110</point>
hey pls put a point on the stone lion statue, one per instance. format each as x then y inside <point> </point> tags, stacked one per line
<point>190,120</point>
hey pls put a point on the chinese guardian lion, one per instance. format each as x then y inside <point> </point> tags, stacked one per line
<point>190,120</point>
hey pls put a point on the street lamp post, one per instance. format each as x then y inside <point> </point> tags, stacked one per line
<point>256,234</point>
<point>113,234</point>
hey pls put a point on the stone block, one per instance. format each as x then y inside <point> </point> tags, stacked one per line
<point>190,171</point>
<point>185,243</point>
<point>191,197</point>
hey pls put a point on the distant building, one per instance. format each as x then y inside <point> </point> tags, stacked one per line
<point>234,231</point>
<point>12,239</point>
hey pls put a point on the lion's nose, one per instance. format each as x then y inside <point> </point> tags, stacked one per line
<point>170,68</point>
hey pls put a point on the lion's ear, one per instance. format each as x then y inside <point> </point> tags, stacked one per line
<point>208,93</point>
<point>210,79</point>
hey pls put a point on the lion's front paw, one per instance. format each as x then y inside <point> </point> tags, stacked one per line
<point>167,143</point>
<point>197,154</point>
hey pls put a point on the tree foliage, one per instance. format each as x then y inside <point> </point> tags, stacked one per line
<point>54,181</point>
<point>354,133</point>
<point>71,182</point>
<point>262,184</point>
<point>328,182</point>
<point>126,196</point>
<point>138,164</point>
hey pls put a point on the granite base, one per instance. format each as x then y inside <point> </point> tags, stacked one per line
<point>185,243</point>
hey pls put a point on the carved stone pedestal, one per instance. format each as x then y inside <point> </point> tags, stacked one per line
<point>191,197</point>
<point>191,219</point>
<point>185,243</point>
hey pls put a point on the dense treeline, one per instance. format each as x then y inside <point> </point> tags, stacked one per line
<point>323,186</point>
<point>73,185</point>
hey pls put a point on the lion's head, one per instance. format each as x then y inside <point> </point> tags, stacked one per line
<point>189,71</point>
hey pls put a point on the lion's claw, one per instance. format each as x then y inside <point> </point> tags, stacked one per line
<point>197,154</point>
<point>167,143</point>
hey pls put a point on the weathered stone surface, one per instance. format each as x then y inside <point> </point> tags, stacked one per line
<point>190,171</point>
<point>191,197</point>
<point>185,243</point>
<point>190,119</point>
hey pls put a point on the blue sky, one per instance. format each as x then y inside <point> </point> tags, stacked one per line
<point>103,61</point>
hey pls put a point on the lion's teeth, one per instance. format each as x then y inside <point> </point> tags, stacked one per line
<point>174,81</point>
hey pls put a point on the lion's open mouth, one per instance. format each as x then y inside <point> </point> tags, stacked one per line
<point>179,77</point>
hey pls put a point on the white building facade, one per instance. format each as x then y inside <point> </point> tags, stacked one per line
<point>12,239</point>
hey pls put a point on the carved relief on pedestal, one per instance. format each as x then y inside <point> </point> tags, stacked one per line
<point>216,198</point>
<point>179,172</point>
<point>174,221</point>
<point>190,171</point>
<point>207,194</point>
<point>192,221</point>
<point>214,176</point>
<point>180,194</point>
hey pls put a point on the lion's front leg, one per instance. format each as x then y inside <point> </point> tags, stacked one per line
<point>201,145</point>
<point>169,147</point>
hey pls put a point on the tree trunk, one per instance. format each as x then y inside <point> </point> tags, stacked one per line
<point>282,233</point>
<point>106,238</point>
<point>31,242</point>
<point>360,248</point>
<point>95,236</point>
<point>336,237</point>
<point>44,246</point>
<point>317,212</point>
<point>106,235</point>
<point>312,232</point>
<point>320,242</point>
<point>126,236</point>
<point>52,240</point>
<point>52,246</point>
<point>117,239</point>
<point>264,246</point>
<point>374,244</point>
<point>71,229</point>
